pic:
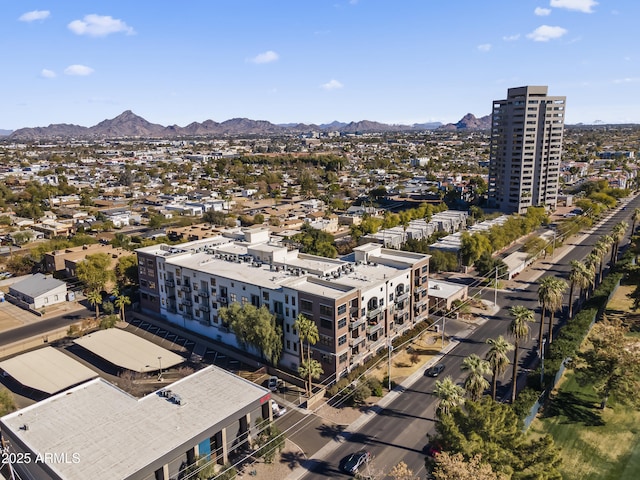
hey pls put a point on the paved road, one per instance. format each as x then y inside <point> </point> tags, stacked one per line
<point>398,432</point>
<point>42,327</point>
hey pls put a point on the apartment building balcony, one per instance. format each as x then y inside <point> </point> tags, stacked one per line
<point>402,298</point>
<point>420,301</point>
<point>356,323</point>
<point>357,340</point>
<point>186,288</point>
<point>371,329</point>
<point>205,308</point>
<point>223,300</point>
<point>187,302</point>
<point>381,342</point>
<point>188,315</point>
<point>374,312</point>
<point>170,283</point>
<point>204,294</point>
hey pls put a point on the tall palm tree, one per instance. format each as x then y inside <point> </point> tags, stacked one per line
<point>475,383</point>
<point>498,360</point>
<point>600,249</point>
<point>95,298</point>
<point>607,243</point>
<point>591,264</point>
<point>617,233</point>
<point>578,279</point>
<point>519,328</point>
<point>555,304</point>
<point>635,217</point>
<point>310,369</point>
<point>546,295</point>
<point>307,332</point>
<point>120,302</point>
<point>449,395</point>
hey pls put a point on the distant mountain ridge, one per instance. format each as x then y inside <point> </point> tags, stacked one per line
<point>128,124</point>
<point>4,133</point>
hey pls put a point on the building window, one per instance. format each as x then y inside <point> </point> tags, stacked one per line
<point>342,323</point>
<point>213,282</point>
<point>342,309</point>
<point>286,299</point>
<point>342,358</point>
<point>326,340</point>
<point>342,339</point>
<point>326,324</point>
<point>326,311</point>
<point>245,300</point>
<point>233,297</point>
<point>306,306</point>
<point>265,296</point>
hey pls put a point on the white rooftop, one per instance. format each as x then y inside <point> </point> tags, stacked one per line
<point>116,435</point>
<point>47,369</point>
<point>442,289</point>
<point>128,351</point>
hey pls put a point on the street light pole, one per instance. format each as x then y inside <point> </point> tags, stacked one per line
<point>160,363</point>
<point>390,349</point>
<point>495,289</point>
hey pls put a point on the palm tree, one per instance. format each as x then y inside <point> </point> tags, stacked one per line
<point>519,328</point>
<point>498,360</point>
<point>95,299</point>
<point>600,249</point>
<point>578,278</point>
<point>120,302</point>
<point>475,383</point>
<point>307,332</point>
<point>559,287</point>
<point>618,234</point>
<point>449,395</point>
<point>591,264</point>
<point>310,369</point>
<point>546,295</point>
<point>635,217</point>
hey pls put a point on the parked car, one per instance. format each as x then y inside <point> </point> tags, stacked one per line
<point>352,463</point>
<point>435,370</point>
<point>273,383</point>
<point>278,410</point>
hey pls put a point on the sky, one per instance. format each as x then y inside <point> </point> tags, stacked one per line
<point>312,61</point>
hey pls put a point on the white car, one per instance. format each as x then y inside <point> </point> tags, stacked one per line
<point>277,410</point>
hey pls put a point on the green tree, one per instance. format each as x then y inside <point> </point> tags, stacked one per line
<point>254,327</point>
<point>121,302</point>
<point>475,383</point>
<point>7,403</point>
<point>617,234</point>
<point>498,360</point>
<point>610,362</point>
<point>519,329</point>
<point>493,430</point>
<point>126,271</point>
<point>578,278</point>
<point>472,246</point>
<point>95,271</point>
<point>449,396</point>
<point>95,298</point>
<point>269,440</point>
<point>456,467</point>
<point>634,218</point>
<point>554,302</point>
<point>307,333</point>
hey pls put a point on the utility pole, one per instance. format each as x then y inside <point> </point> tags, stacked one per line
<point>390,349</point>
<point>544,341</point>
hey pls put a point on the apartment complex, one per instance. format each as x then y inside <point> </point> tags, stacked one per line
<point>357,304</point>
<point>526,147</point>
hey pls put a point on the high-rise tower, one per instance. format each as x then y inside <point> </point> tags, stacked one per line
<point>526,147</point>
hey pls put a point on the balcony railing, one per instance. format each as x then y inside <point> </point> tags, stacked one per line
<point>186,288</point>
<point>355,323</point>
<point>204,308</point>
<point>357,340</point>
<point>372,313</point>
<point>371,329</point>
<point>187,302</point>
<point>223,300</point>
<point>170,283</point>
<point>401,298</point>
<point>204,294</point>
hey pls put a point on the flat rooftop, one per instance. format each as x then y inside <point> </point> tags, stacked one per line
<point>116,435</point>
<point>47,370</point>
<point>129,351</point>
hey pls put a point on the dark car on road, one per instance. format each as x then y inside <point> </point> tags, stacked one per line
<point>351,463</point>
<point>435,370</point>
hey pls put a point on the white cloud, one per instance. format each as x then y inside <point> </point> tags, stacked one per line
<point>46,73</point>
<point>626,80</point>
<point>542,12</point>
<point>578,5</point>
<point>544,33</point>
<point>511,38</point>
<point>34,15</point>
<point>99,26</point>
<point>78,70</point>
<point>266,57</point>
<point>485,47</point>
<point>332,85</point>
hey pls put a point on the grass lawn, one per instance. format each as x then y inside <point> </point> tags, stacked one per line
<point>595,444</point>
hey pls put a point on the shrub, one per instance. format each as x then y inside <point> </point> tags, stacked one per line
<point>375,386</point>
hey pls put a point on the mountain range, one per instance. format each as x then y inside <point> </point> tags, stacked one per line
<point>128,124</point>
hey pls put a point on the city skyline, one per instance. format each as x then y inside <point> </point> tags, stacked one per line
<point>313,62</point>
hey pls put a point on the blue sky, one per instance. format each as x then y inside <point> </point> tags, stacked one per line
<point>313,61</point>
